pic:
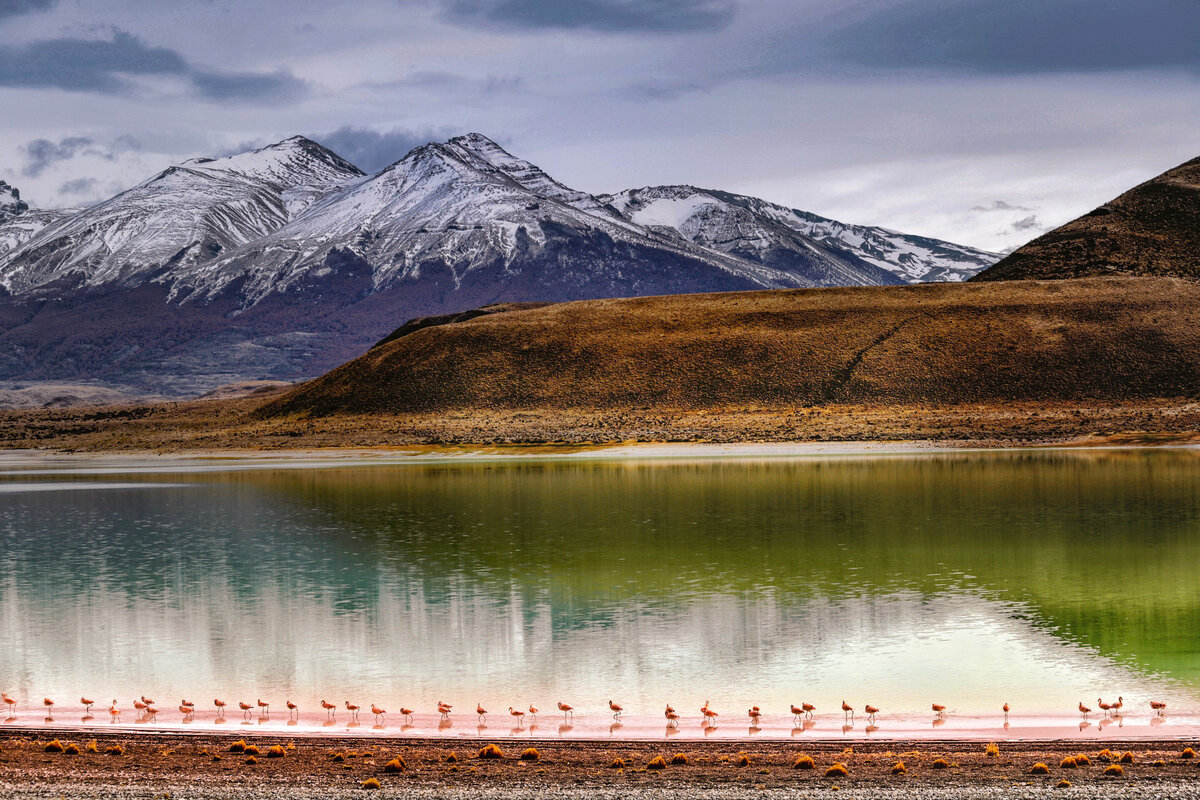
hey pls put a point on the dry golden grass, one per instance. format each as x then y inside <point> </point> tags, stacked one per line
<point>1114,770</point>
<point>837,771</point>
<point>804,762</point>
<point>53,746</point>
<point>1188,753</point>
<point>658,762</point>
<point>530,754</point>
<point>679,760</point>
<point>370,783</point>
<point>992,750</point>
<point>1126,757</point>
<point>940,763</point>
<point>1039,769</point>
<point>490,751</point>
<point>899,769</point>
<point>1068,763</point>
<point>276,751</point>
<point>238,747</point>
<point>395,765</point>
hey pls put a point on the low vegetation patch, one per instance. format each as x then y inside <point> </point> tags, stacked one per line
<point>1114,770</point>
<point>899,769</point>
<point>940,763</point>
<point>804,762</point>
<point>1063,784</point>
<point>114,750</point>
<point>371,783</point>
<point>395,765</point>
<point>71,749</point>
<point>1068,763</point>
<point>1188,753</point>
<point>743,760</point>
<point>1126,757</point>
<point>238,747</point>
<point>837,771</point>
<point>339,757</point>
<point>991,750</point>
<point>530,754</point>
<point>92,747</point>
<point>617,763</point>
<point>1082,760</point>
<point>54,746</point>
<point>276,751</point>
<point>658,762</point>
<point>1039,769</point>
<point>251,750</point>
<point>679,760</point>
<point>251,760</point>
<point>490,751</point>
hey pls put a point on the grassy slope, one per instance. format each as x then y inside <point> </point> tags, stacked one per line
<point>1106,339</point>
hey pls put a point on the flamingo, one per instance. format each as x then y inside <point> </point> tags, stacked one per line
<point>533,712</point>
<point>709,714</point>
<point>377,711</point>
<point>938,708</point>
<point>616,709</point>
<point>1084,709</point>
<point>139,705</point>
<point>292,707</point>
<point>1158,706</point>
<point>220,704</point>
<point>329,707</point>
<point>1117,706</point>
<point>871,712</point>
<point>847,709</point>
<point>113,711</point>
<point>808,709</point>
<point>672,717</point>
<point>1105,707</point>
<point>49,704</point>
<point>519,716</point>
<point>754,713</point>
<point>12,704</point>
<point>406,713</point>
<point>1006,710</point>
<point>797,712</point>
<point>265,707</point>
<point>481,712</point>
<point>245,707</point>
<point>353,709</point>
<point>151,710</point>
<point>566,709</point>
<point>444,709</point>
<point>187,703</point>
<point>147,700</point>
<point>87,704</point>
<point>187,711</point>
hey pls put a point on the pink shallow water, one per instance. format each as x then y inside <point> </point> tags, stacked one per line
<point>823,727</point>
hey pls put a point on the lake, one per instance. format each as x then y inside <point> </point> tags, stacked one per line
<point>1037,578</point>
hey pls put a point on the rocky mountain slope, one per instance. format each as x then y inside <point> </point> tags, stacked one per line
<point>1153,229</point>
<point>285,261</point>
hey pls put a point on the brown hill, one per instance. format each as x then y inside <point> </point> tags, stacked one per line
<point>1153,229</point>
<point>1097,339</point>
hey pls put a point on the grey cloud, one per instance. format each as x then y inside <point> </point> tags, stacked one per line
<point>11,8</point>
<point>1020,36</point>
<point>1000,205</point>
<point>371,150</point>
<point>1027,224</point>
<point>79,186</point>
<point>40,154</point>
<point>645,16</point>
<point>280,85</point>
<point>105,66</point>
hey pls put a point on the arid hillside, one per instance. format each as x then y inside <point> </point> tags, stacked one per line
<point>1153,229</point>
<point>1106,339</point>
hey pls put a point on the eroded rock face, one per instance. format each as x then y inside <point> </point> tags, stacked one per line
<point>11,204</point>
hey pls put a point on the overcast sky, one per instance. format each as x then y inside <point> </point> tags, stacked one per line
<point>979,121</point>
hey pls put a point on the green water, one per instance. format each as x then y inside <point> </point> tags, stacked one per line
<point>971,579</point>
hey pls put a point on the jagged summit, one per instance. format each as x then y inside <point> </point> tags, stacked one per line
<point>11,203</point>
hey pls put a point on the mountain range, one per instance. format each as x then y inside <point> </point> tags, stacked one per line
<point>282,262</point>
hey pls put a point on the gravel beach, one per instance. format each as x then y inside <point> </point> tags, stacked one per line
<point>203,766</point>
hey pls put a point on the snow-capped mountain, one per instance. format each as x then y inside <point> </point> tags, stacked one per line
<point>772,234</point>
<point>181,217</point>
<point>285,261</point>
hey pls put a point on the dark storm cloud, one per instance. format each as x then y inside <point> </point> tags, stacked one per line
<point>1027,224</point>
<point>11,8</point>
<point>106,65</point>
<point>79,186</point>
<point>371,150</point>
<point>95,65</point>
<point>612,16</point>
<point>41,154</point>
<point>1020,36</point>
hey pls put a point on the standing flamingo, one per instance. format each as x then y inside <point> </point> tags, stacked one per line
<point>187,711</point>
<point>1084,709</point>
<point>672,717</point>
<point>245,707</point>
<point>754,713</point>
<point>566,709</point>
<point>1105,707</point>
<point>353,709</point>
<point>938,709</point>
<point>847,709</point>
<point>407,714</point>
<point>220,704</point>
<point>709,714</point>
<point>1158,706</point>
<point>49,704</point>
<point>1117,706</point>
<point>519,716</point>
<point>1006,710</point>
<point>533,712</point>
<point>265,708</point>
<point>147,700</point>
<point>293,709</point>
<point>616,709</point>
<point>871,712</point>
<point>113,711</point>
<point>808,709</point>
<point>87,704</point>
<point>10,702</point>
<point>481,712</point>
<point>377,711</point>
<point>329,707</point>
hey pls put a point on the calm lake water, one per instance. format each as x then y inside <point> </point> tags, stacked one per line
<point>1039,579</point>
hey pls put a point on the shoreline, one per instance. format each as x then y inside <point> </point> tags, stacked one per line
<point>329,457</point>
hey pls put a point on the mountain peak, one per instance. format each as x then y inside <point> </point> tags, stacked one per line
<point>11,203</point>
<point>281,161</point>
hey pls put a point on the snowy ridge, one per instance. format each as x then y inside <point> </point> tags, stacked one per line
<point>11,204</point>
<point>754,228</point>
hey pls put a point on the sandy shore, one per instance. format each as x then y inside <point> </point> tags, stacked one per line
<point>177,766</point>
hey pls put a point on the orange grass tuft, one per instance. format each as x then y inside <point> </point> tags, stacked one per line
<point>1068,763</point>
<point>395,765</point>
<point>1063,784</point>
<point>450,759</point>
<point>1188,753</point>
<point>276,751</point>
<point>743,760</point>
<point>251,760</point>
<point>837,771</point>
<point>940,763</point>
<point>658,762</point>
<point>54,746</point>
<point>238,747</point>
<point>1082,760</point>
<point>1039,769</point>
<point>992,750</point>
<point>617,763</point>
<point>804,762</point>
<point>114,750</point>
<point>1127,757</point>
<point>71,749</point>
<point>251,750</point>
<point>899,768</point>
<point>338,757</point>
<point>1114,770</point>
<point>530,754</point>
<point>92,747</point>
<point>679,760</point>
<point>371,783</point>
<point>490,751</point>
